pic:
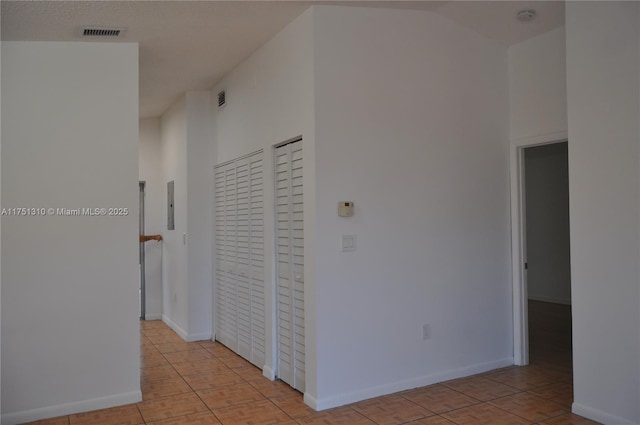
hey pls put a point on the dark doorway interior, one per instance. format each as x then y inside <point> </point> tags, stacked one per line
<point>548,256</point>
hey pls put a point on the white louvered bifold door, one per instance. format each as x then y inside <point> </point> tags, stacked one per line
<point>243,288</point>
<point>239,250</point>
<point>256,252</point>
<point>290,265</point>
<point>231,289</point>
<point>220,264</point>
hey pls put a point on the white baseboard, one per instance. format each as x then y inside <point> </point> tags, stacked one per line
<point>599,416</point>
<point>153,317</point>
<point>204,336</point>
<point>269,372</point>
<point>310,400</point>
<point>31,415</point>
<point>421,381</point>
<point>177,329</point>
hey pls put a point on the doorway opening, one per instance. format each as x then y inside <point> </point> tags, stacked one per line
<point>547,254</point>
<point>540,251</point>
<point>141,290</point>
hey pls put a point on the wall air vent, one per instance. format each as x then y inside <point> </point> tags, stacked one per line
<point>101,32</point>
<point>222,99</point>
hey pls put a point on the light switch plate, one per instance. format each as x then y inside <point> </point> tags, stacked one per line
<point>348,243</point>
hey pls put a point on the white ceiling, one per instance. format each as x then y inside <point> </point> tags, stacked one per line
<point>191,45</point>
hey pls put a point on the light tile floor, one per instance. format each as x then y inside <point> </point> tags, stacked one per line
<point>203,383</point>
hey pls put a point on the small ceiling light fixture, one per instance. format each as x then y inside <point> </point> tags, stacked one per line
<point>526,15</point>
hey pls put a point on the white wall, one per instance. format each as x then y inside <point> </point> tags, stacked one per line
<point>200,148</point>
<point>270,100</point>
<point>150,171</point>
<point>175,292</point>
<point>547,223</point>
<point>604,166</point>
<point>70,337</point>
<point>411,125</point>
<point>0,220</point>
<point>431,195</point>
<point>538,86</point>
<point>187,135</point>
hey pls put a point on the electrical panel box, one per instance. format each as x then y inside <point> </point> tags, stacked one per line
<point>345,209</point>
<point>170,206</point>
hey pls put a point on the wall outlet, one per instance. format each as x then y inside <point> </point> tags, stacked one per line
<point>426,331</point>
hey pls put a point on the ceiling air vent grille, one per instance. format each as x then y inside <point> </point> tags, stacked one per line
<point>101,32</point>
<point>222,99</point>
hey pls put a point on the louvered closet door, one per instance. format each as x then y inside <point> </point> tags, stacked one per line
<point>290,265</point>
<point>230,254</point>
<point>256,251</point>
<point>239,250</point>
<point>220,254</point>
<point>243,288</point>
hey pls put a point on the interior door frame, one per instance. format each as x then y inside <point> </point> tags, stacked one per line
<point>519,242</point>
<point>142,187</point>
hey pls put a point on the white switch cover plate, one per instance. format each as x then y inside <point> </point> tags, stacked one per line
<point>348,243</point>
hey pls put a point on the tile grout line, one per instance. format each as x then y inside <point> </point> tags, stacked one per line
<point>173,367</point>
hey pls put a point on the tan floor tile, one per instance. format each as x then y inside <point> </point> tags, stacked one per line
<point>201,366</point>
<point>152,332</point>
<point>561,392</point>
<point>188,356</point>
<point>529,406</point>
<point>174,347</point>
<point>157,373</point>
<point>391,410</point>
<point>250,373</point>
<point>149,351</point>
<point>154,360</point>
<point>62,420</point>
<point>164,388</point>
<point>123,415</point>
<point>484,414</point>
<point>274,388</point>
<point>255,413</point>
<point>522,378</point>
<point>568,419</point>
<point>167,407</point>
<point>208,343</point>
<point>219,350</point>
<point>438,398</point>
<point>205,418</point>
<point>234,362</point>
<point>433,420</point>
<point>480,388</point>
<point>164,338</point>
<point>293,405</point>
<point>338,416</point>
<point>205,380</point>
<point>230,395</point>
<point>152,324</point>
